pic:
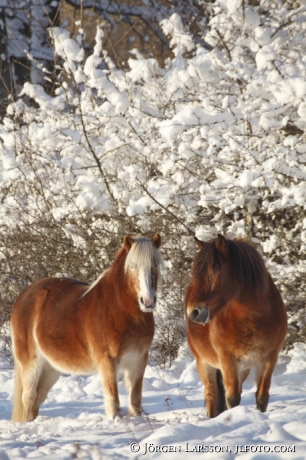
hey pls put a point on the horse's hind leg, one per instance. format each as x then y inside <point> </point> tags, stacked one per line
<point>221,392</point>
<point>263,377</point>
<point>47,379</point>
<point>27,375</point>
<point>33,380</point>
<point>133,376</point>
<point>244,376</point>
<point>18,411</point>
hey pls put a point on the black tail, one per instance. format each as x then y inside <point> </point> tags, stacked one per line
<point>221,400</point>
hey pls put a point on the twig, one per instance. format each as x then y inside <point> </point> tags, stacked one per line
<point>191,232</point>
<point>225,45</point>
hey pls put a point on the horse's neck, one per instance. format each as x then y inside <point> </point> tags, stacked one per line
<point>254,302</point>
<point>114,275</point>
<point>117,281</point>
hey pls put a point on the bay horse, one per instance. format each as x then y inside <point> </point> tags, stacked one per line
<point>236,320</point>
<point>64,325</point>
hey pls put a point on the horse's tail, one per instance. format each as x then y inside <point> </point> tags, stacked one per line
<point>18,409</point>
<point>221,399</point>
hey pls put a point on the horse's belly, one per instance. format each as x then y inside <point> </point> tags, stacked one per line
<point>65,354</point>
<point>71,367</point>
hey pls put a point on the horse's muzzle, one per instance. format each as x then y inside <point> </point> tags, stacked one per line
<point>147,304</point>
<point>200,315</point>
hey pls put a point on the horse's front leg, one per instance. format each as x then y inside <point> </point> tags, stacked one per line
<point>133,376</point>
<point>212,393</point>
<point>108,374</point>
<point>231,380</point>
<point>264,372</point>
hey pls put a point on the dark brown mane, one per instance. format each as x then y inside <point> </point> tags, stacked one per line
<point>207,263</point>
<point>246,264</point>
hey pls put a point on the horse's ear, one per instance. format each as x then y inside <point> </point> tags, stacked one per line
<point>128,242</point>
<point>221,244</point>
<point>199,243</point>
<point>156,240</point>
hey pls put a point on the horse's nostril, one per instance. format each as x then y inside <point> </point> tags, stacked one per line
<point>141,300</point>
<point>195,313</point>
<point>200,315</point>
<point>155,299</point>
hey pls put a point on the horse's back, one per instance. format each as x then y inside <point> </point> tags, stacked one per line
<point>278,308</point>
<point>34,299</point>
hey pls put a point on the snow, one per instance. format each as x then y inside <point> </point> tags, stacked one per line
<point>180,40</point>
<point>203,137</point>
<point>64,46</point>
<point>72,422</point>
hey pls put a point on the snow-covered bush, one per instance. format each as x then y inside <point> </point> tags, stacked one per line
<point>211,143</point>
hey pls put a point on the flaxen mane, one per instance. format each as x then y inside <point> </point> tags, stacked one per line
<point>141,255</point>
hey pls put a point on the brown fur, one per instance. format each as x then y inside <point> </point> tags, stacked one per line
<point>247,324</point>
<point>59,325</point>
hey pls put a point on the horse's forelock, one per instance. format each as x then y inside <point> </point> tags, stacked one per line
<point>142,255</point>
<point>207,264</point>
<point>245,261</point>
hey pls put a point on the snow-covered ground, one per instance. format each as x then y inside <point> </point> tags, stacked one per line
<point>72,423</point>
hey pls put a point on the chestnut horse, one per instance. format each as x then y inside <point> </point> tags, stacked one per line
<point>64,325</point>
<point>236,320</point>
